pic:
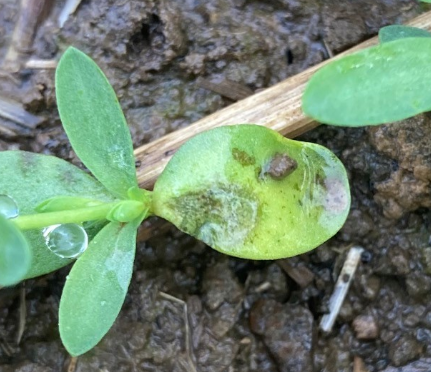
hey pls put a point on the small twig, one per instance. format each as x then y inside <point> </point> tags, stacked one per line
<point>359,365</point>
<point>129,358</point>
<point>15,112</point>
<point>31,14</point>
<point>10,77</point>
<point>72,364</point>
<point>40,64</point>
<point>186,326</point>
<point>7,349</point>
<point>328,49</point>
<point>6,132</point>
<point>263,287</point>
<point>341,288</point>
<point>226,88</point>
<point>69,8</point>
<point>22,313</point>
<point>300,273</point>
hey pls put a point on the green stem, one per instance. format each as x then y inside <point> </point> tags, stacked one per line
<point>41,220</point>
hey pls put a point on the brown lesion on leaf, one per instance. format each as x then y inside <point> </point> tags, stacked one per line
<point>279,167</point>
<point>222,215</point>
<point>242,157</point>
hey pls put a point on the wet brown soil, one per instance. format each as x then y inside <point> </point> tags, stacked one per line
<point>190,308</point>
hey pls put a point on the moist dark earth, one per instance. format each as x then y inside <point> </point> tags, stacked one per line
<point>190,308</point>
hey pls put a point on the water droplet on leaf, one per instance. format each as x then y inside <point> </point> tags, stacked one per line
<point>8,207</point>
<point>67,241</point>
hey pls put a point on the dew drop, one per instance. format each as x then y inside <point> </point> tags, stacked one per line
<point>8,207</point>
<point>102,303</point>
<point>66,241</point>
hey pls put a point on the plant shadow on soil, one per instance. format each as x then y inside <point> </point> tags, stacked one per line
<point>241,315</point>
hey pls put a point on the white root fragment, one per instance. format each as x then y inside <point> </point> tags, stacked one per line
<point>22,313</point>
<point>69,8</point>
<point>341,288</point>
<point>14,111</point>
<point>41,64</point>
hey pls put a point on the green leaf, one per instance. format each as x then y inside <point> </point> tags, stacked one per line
<point>15,255</point>
<point>94,122</point>
<point>32,178</point>
<point>249,192</point>
<point>96,287</point>
<point>62,203</point>
<point>395,32</point>
<point>382,84</point>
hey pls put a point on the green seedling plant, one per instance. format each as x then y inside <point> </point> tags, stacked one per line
<point>244,190</point>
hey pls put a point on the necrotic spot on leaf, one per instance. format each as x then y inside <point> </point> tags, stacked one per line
<point>221,216</point>
<point>336,196</point>
<point>279,167</point>
<point>242,157</point>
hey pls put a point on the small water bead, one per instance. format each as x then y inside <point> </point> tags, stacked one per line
<point>8,207</point>
<point>67,240</point>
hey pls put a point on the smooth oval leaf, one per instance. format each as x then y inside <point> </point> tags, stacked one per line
<point>32,178</point>
<point>395,32</point>
<point>94,122</point>
<point>15,254</point>
<point>247,191</point>
<point>96,287</point>
<point>382,84</point>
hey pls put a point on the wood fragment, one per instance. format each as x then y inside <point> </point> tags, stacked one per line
<point>14,111</point>
<point>263,287</point>
<point>278,108</point>
<point>41,64</point>
<point>69,8</point>
<point>6,348</point>
<point>299,273</point>
<point>9,76</point>
<point>72,364</point>
<point>328,49</point>
<point>226,88</point>
<point>359,365</point>
<point>341,288</point>
<point>32,13</point>
<point>245,341</point>
<point>7,132</point>
<point>22,313</point>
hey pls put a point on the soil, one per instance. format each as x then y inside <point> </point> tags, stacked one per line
<point>190,308</point>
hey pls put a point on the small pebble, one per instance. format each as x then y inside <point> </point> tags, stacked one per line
<point>405,349</point>
<point>365,327</point>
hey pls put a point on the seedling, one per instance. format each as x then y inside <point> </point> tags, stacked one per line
<point>244,190</point>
